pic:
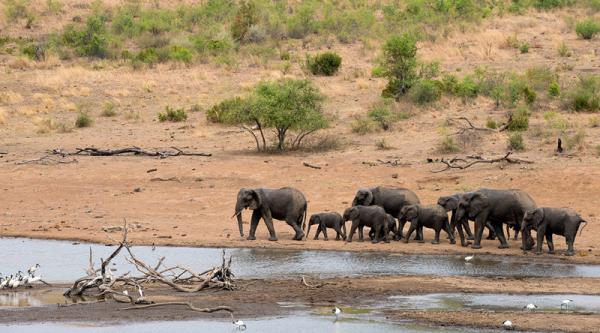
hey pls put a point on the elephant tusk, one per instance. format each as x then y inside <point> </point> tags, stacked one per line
<point>236,214</point>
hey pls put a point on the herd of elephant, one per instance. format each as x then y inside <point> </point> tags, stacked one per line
<point>386,210</point>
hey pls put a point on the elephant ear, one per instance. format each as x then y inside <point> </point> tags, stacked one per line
<point>451,203</point>
<point>538,216</point>
<point>256,200</point>
<point>478,202</point>
<point>369,198</point>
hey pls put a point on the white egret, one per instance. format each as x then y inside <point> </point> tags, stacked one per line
<point>469,258</point>
<point>565,304</point>
<point>32,269</point>
<point>530,307</point>
<point>240,325</point>
<point>508,325</point>
<point>336,311</point>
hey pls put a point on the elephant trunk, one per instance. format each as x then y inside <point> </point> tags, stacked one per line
<point>238,213</point>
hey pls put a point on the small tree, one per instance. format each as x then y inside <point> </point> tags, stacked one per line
<point>286,105</point>
<point>400,63</point>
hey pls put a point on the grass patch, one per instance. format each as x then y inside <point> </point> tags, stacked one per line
<point>381,144</point>
<point>520,119</point>
<point>575,140</point>
<point>584,95</point>
<point>448,145</point>
<point>174,115</point>
<point>83,120</point>
<point>363,125</point>
<point>109,110</point>
<point>587,29</point>
<point>515,142</point>
<point>326,64</point>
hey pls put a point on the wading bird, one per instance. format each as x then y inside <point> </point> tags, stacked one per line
<point>565,304</point>
<point>336,311</point>
<point>508,325</point>
<point>239,325</point>
<point>530,307</point>
<point>32,269</point>
<point>469,258</point>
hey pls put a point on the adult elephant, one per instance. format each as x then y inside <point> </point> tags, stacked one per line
<point>495,207</point>
<point>391,200</point>
<point>450,203</point>
<point>552,221</point>
<point>285,204</point>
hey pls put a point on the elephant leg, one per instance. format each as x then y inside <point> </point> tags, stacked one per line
<point>293,222</point>
<point>541,231</point>
<point>500,234</point>
<point>352,230</point>
<point>361,237</point>
<point>479,226</point>
<point>308,230</point>
<point>412,228</point>
<point>447,229</point>
<point>344,230</point>
<point>516,229</point>
<point>318,231</point>
<point>491,231</point>
<point>253,224</point>
<point>419,235</point>
<point>386,231</point>
<point>570,244</point>
<point>436,239</point>
<point>465,224</point>
<point>338,232</point>
<point>324,229</point>
<point>400,229</point>
<point>376,233</point>
<point>461,234</point>
<point>550,242</point>
<point>269,222</point>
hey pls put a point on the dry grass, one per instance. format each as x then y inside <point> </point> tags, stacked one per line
<point>2,116</point>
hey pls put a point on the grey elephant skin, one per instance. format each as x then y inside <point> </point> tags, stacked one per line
<point>392,227</point>
<point>285,204</point>
<point>323,221</point>
<point>450,204</point>
<point>367,216</point>
<point>391,200</point>
<point>496,207</point>
<point>432,216</point>
<point>552,221</point>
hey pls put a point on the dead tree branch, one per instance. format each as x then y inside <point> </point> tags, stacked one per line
<point>49,159</point>
<point>304,282</point>
<point>314,166</point>
<point>469,161</point>
<point>469,126</point>
<point>136,151</point>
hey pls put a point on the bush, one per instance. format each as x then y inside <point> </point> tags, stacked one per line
<point>382,115</point>
<point>172,114</point>
<point>83,120</point>
<point>425,91</point>
<point>467,88</point>
<point>563,50</point>
<point>515,142</point>
<point>491,123</point>
<point>524,47</point>
<point>92,41</point>
<point>549,4</point>
<point>245,17</point>
<point>399,63</point>
<point>448,145</point>
<point>363,126</point>
<point>381,144</point>
<point>109,110</point>
<point>180,53</point>
<point>554,89</point>
<point>585,95</point>
<point>226,111</point>
<point>587,29</point>
<point>520,119</point>
<point>576,140</point>
<point>324,64</point>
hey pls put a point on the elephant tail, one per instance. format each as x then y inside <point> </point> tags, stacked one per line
<point>580,230</point>
<point>304,217</point>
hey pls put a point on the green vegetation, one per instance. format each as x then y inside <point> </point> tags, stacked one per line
<point>171,114</point>
<point>524,47</point>
<point>520,119</point>
<point>381,144</point>
<point>554,89</point>
<point>109,110</point>
<point>362,125</point>
<point>491,124</point>
<point>448,145</point>
<point>587,29</point>
<point>83,120</point>
<point>399,65</point>
<point>563,50</point>
<point>286,105</point>
<point>326,63</point>
<point>425,92</point>
<point>515,142</point>
<point>575,140</point>
<point>584,96</point>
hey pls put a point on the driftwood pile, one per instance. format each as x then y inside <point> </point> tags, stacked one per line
<point>101,283</point>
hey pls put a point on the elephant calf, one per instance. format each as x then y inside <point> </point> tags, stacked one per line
<point>432,216</point>
<point>552,221</point>
<point>328,220</point>
<point>392,227</point>
<point>369,216</point>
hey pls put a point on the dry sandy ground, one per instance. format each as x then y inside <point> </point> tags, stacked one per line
<point>254,298</point>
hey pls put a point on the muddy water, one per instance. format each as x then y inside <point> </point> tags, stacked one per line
<point>299,323</point>
<point>461,301</point>
<point>63,261</point>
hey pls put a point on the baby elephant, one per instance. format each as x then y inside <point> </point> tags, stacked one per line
<point>432,216</point>
<point>548,221</point>
<point>392,227</point>
<point>369,216</point>
<point>328,220</point>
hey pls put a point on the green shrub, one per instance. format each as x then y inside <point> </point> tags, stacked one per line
<point>324,64</point>
<point>227,110</point>
<point>362,126</point>
<point>491,123</point>
<point>594,122</point>
<point>245,17</point>
<point>377,71</point>
<point>381,144</point>
<point>382,115</point>
<point>92,41</point>
<point>520,119</point>
<point>109,110</point>
<point>16,9</point>
<point>587,29</point>
<point>450,83</point>
<point>585,95</point>
<point>515,142</point>
<point>180,53</point>
<point>549,4</point>
<point>399,63</point>
<point>302,22</point>
<point>554,89</point>
<point>83,120</point>
<point>425,91</point>
<point>467,88</point>
<point>563,50</point>
<point>172,114</point>
<point>284,55</point>
<point>448,145</point>
<point>576,140</point>
<point>524,47</point>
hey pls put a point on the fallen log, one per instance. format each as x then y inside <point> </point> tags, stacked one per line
<point>189,305</point>
<point>136,151</point>
<point>309,165</point>
<point>464,163</point>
